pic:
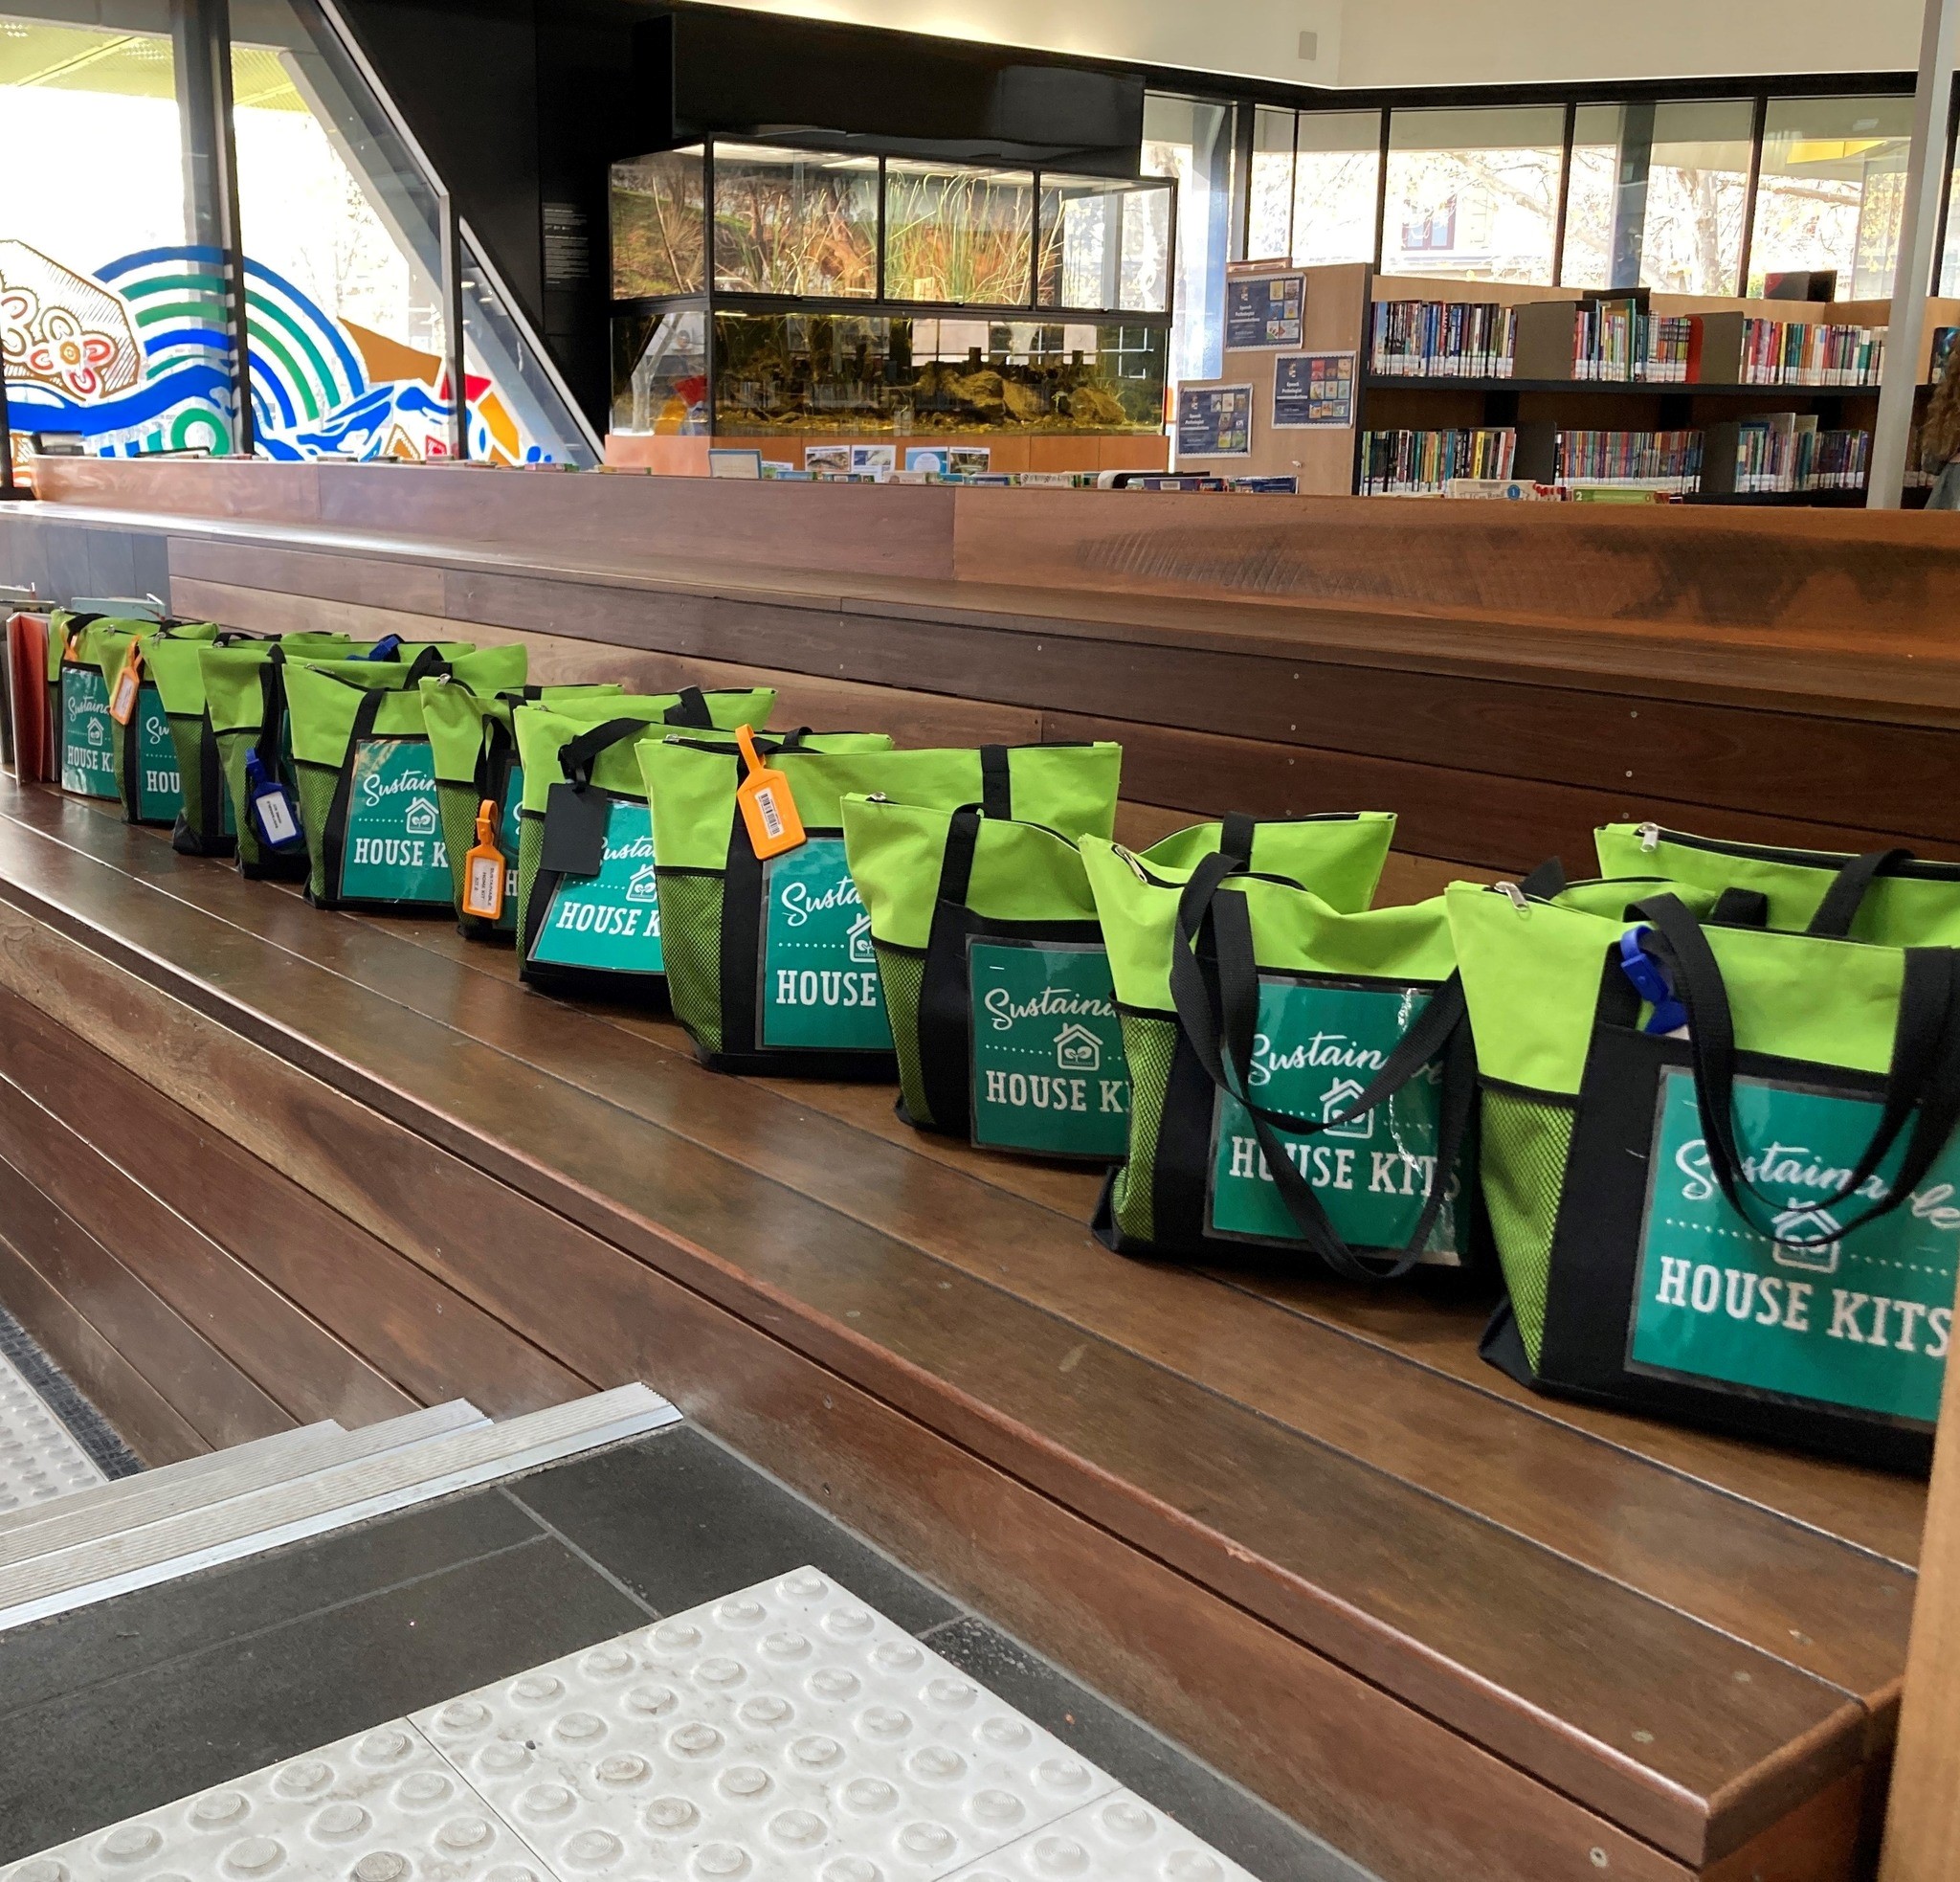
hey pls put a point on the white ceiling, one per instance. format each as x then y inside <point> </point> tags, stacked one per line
<point>1424,42</point>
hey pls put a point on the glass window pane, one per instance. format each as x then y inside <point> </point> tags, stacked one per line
<point>1473,192</point>
<point>1191,139</point>
<point>114,305</point>
<point>920,378</point>
<point>1657,195</point>
<point>1105,244</point>
<point>342,252</point>
<point>1269,230</point>
<point>1832,187</point>
<point>1336,168</point>
<point>795,221</point>
<point>957,234</point>
<point>518,410</point>
<point>660,374</point>
<point>658,226</point>
<point>1948,275</point>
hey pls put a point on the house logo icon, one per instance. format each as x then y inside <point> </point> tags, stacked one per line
<point>641,887</point>
<point>94,732</point>
<point>860,940</point>
<point>1338,1097</point>
<point>1818,1228</point>
<point>1076,1049</point>
<point>421,820</point>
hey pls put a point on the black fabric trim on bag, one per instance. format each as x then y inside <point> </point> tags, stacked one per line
<point>619,985</point>
<point>273,865</point>
<point>131,736</point>
<point>1594,1263</point>
<point>1920,1087</point>
<point>211,797</point>
<point>1215,990</point>
<point>333,839</point>
<point>945,999</point>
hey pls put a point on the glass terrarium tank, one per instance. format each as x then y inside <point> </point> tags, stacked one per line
<point>925,376</point>
<point>766,291</point>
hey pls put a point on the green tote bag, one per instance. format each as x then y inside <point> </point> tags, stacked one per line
<point>770,963</point>
<point>1889,896</point>
<point>81,734</point>
<point>1302,1079</point>
<point>148,776</point>
<point>368,799</point>
<point>995,979</point>
<point>244,685</point>
<point>473,753</point>
<point>173,670</point>
<point>1719,1163</point>
<point>588,905</point>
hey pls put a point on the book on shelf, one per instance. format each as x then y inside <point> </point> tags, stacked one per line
<point>1783,453</point>
<point>1748,349</point>
<point>1656,461</point>
<point>1442,338</point>
<point>1419,463</point>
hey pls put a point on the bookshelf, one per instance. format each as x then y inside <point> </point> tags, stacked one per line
<point>1470,359</point>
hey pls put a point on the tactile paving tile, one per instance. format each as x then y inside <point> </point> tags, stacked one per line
<point>384,1807</point>
<point>1119,1838</point>
<point>38,1459</point>
<point>783,1733</point>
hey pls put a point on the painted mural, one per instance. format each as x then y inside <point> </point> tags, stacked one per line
<point>133,359</point>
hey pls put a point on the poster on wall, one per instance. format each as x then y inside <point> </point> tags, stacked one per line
<point>1313,392</point>
<point>1214,421</point>
<point>1265,311</point>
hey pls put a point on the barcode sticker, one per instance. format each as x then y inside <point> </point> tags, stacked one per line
<point>771,816</point>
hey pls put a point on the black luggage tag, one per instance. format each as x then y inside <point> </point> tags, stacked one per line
<point>574,832</point>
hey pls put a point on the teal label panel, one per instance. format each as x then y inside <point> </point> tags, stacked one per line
<point>88,751</point>
<point>506,840</point>
<point>1861,1320</point>
<point>819,976</point>
<point>1315,1052</point>
<point>394,850</point>
<point>160,790</point>
<point>610,921</point>
<point>1049,1073</point>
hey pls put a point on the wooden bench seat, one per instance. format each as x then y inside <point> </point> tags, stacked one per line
<point>344,1161</point>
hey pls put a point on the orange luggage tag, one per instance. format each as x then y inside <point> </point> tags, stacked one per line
<point>483,869</point>
<point>769,807</point>
<point>128,688</point>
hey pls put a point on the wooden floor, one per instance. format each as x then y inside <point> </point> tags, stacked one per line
<point>260,1164</point>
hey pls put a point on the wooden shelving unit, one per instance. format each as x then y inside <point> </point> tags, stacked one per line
<point>1338,316</point>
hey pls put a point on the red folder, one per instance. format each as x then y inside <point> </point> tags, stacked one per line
<point>27,691</point>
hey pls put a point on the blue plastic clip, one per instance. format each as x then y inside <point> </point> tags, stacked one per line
<point>388,647</point>
<point>1650,981</point>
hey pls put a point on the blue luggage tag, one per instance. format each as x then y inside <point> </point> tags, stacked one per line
<point>1669,1016</point>
<point>271,807</point>
<point>388,647</point>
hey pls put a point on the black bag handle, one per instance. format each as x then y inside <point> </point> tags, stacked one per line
<point>1843,899</point>
<point>997,782</point>
<point>576,756</point>
<point>1923,1078</point>
<point>1235,832</point>
<point>691,708</point>
<point>1221,1037</point>
<point>428,664</point>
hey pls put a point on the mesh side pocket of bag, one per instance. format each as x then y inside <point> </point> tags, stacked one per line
<point>530,848</point>
<point>458,804</point>
<point>903,976</point>
<point>1150,1044</point>
<point>186,739</point>
<point>691,943</point>
<point>1526,1144</point>
<point>317,787</point>
<point>233,747</point>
